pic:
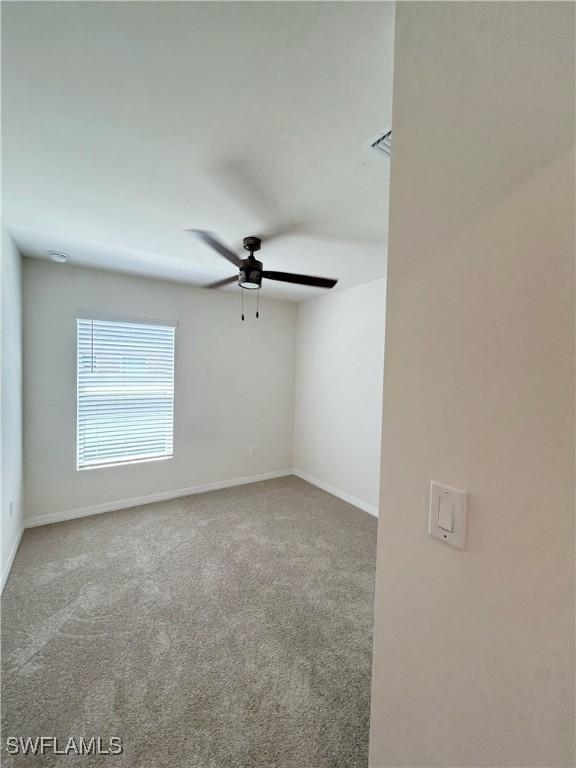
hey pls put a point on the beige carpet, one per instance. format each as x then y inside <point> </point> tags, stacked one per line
<point>230,629</point>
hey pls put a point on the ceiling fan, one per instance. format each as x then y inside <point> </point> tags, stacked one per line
<point>250,270</point>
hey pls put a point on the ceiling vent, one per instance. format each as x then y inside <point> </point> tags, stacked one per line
<point>383,143</point>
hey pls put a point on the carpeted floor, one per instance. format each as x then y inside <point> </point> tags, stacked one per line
<point>230,629</point>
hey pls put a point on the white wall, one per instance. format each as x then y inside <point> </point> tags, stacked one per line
<point>234,386</point>
<point>338,413</point>
<point>474,650</point>
<point>12,503</point>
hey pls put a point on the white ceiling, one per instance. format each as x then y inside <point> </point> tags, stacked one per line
<point>125,123</point>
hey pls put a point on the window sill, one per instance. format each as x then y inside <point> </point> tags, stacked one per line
<point>128,463</point>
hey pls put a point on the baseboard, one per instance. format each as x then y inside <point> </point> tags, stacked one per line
<point>113,506</point>
<point>11,556</point>
<point>370,508</point>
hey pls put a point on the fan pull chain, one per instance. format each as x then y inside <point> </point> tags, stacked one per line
<point>242,291</point>
<point>258,303</point>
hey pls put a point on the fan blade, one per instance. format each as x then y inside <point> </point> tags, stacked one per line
<point>261,203</point>
<point>216,245</point>
<point>289,277</point>
<point>271,216</point>
<point>220,283</point>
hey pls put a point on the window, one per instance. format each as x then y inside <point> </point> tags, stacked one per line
<point>125,380</point>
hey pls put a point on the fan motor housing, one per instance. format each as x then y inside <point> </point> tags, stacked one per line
<point>250,273</point>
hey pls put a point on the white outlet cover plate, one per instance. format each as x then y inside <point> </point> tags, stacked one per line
<point>447,514</point>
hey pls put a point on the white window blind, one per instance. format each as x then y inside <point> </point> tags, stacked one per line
<point>125,379</point>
